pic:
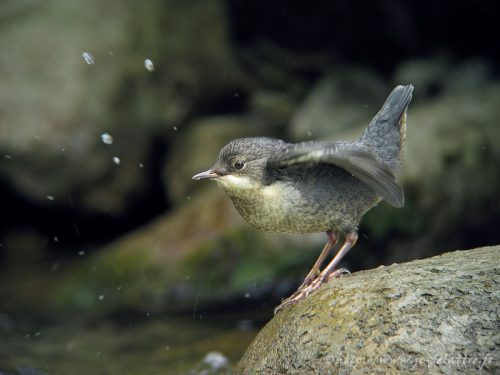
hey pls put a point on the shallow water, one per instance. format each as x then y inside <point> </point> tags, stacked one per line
<point>150,345</point>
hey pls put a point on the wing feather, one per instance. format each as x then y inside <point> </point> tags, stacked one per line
<point>361,163</point>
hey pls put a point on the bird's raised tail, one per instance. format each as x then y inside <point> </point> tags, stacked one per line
<point>386,132</point>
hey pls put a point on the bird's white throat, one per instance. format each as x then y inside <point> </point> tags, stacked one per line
<point>243,186</point>
<point>230,182</point>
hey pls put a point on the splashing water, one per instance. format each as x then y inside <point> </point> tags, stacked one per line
<point>106,138</point>
<point>116,160</point>
<point>148,64</point>
<point>89,58</point>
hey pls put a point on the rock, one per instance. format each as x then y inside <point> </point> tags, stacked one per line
<point>342,100</point>
<point>429,75</point>
<point>438,315</point>
<point>50,130</point>
<point>437,75</point>
<point>273,108</point>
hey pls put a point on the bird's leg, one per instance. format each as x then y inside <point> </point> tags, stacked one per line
<point>315,270</point>
<point>330,270</point>
<point>328,273</point>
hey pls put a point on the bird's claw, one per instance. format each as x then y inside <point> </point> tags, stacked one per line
<point>299,295</point>
<point>307,288</point>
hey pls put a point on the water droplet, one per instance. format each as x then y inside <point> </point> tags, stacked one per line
<point>309,134</point>
<point>101,297</point>
<point>81,253</point>
<point>106,138</point>
<point>8,157</point>
<point>37,334</point>
<point>119,288</point>
<point>89,59</point>
<point>55,267</point>
<point>141,165</point>
<point>56,239</point>
<point>167,347</point>
<point>63,149</point>
<point>110,53</point>
<point>148,64</point>
<point>175,128</point>
<point>236,94</point>
<point>188,197</point>
<point>50,197</point>
<point>216,360</point>
<point>116,160</point>
<point>247,295</point>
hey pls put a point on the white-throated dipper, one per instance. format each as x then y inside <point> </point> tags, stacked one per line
<point>316,186</point>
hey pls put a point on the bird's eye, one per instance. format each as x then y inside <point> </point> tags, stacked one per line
<point>238,164</point>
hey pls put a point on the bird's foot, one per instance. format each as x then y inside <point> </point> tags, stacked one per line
<point>296,297</point>
<point>306,289</point>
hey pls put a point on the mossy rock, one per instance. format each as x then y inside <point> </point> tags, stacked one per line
<point>203,252</point>
<point>438,315</point>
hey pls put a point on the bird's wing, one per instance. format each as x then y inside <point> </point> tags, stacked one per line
<point>361,163</point>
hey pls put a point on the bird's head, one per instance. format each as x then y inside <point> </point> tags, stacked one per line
<point>241,163</point>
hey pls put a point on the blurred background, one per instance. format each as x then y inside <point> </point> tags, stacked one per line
<point>112,260</point>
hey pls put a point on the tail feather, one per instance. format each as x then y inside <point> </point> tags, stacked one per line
<point>387,131</point>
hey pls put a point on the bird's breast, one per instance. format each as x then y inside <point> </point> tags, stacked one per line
<point>280,207</point>
<point>308,204</point>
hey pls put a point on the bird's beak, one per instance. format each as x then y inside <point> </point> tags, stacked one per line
<point>207,174</point>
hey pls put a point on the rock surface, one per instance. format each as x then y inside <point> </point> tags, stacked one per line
<point>438,315</point>
<point>50,130</point>
<point>343,99</point>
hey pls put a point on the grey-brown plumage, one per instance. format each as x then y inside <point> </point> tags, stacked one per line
<point>316,186</point>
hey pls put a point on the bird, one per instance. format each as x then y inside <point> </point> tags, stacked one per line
<point>316,186</point>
